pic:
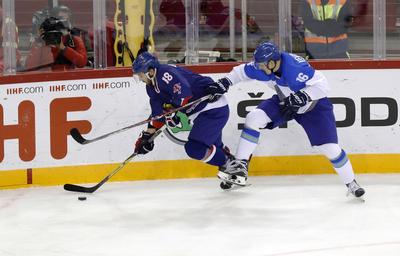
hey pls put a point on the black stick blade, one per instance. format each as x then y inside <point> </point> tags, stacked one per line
<point>76,188</point>
<point>77,136</point>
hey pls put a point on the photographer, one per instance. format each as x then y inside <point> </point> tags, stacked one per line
<point>62,51</point>
<point>64,14</point>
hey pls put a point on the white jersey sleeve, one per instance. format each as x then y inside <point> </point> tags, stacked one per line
<point>317,87</point>
<point>238,74</point>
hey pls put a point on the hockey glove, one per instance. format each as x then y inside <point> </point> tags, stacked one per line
<point>143,145</point>
<point>172,120</point>
<point>218,88</point>
<point>292,103</point>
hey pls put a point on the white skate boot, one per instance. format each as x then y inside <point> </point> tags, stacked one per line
<point>355,189</point>
<point>234,172</point>
<point>224,184</point>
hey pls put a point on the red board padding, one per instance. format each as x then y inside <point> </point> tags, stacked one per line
<point>203,68</point>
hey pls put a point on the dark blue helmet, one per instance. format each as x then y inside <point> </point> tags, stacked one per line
<point>144,62</point>
<point>265,52</point>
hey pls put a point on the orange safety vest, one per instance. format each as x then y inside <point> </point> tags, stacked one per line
<point>321,46</point>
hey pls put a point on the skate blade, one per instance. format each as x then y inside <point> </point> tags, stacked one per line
<point>226,178</point>
<point>360,199</point>
<point>233,186</point>
<point>236,187</point>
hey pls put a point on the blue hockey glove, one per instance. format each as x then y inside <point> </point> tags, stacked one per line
<point>143,145</point>
<point>292,103</point>
<point>218,88</point>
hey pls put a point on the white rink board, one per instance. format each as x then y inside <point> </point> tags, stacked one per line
<point>114,108</point>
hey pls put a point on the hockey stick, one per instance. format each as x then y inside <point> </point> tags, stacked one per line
<point>77,188</point>
<point>81,140</point>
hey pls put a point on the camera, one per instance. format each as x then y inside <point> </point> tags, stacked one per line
<point>52,30</point>
<point>52,37</point>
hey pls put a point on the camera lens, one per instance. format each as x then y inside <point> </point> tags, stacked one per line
<point>52,37</point>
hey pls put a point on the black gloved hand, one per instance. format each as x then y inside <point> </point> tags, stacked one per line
<point>287,112</point>
<point>143,145</point>
<point>292,103</point>
<point>172,120</point>
<point>218,88</point>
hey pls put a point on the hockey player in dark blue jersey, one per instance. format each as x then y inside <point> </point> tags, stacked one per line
<point>301,94</point>
<point>169,86</point>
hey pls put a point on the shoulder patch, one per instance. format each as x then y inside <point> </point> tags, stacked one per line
<point>177,88</point>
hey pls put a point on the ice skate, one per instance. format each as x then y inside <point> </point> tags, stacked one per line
<point>234,172</point>
<point>228,186</point>
<point>355,190</point>
<point>229,157</point>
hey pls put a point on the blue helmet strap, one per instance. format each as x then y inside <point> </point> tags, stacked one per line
<point>268,67</point>
<point>264,66</point>
<point>277,65</point>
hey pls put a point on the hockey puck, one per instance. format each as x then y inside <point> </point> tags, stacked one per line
<point>225,185</point>
<point>82,198</point>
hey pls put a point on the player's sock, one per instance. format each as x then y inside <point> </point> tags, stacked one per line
<point>343,167</point>
<point>247,143</point>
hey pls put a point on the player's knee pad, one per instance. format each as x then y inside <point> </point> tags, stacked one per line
<point>330,150</point>
<point>257,119</point>
<point>195,149</point>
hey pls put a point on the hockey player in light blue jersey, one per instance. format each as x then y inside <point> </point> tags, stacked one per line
<point>301,94</point>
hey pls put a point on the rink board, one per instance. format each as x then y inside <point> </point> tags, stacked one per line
<point>175,169</point>
<point>366,107</point>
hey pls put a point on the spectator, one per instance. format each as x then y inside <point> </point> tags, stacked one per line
<point>326,23</point>
<point>215,15</point>
<point>173,32</point>
<point>174,14</point>
<point>60,50</point>
<point>110,39</point>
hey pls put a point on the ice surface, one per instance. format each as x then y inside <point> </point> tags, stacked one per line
<point>278,215</point>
